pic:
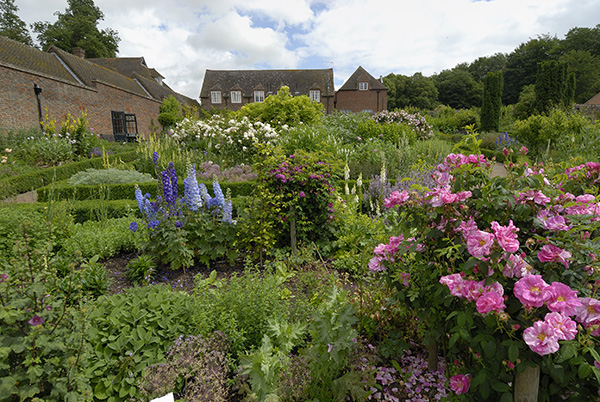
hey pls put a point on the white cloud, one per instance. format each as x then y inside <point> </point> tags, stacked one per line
<point>183,38</point>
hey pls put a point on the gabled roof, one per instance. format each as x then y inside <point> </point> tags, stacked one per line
<point>361,75</point>
<point>299,81</point>
<point>28,58</point>
<point>125,65</point>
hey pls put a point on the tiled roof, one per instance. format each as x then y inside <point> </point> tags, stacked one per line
<point>361,75</point>
<point>159,91</point>
<point>31,59</point>
<point>125,65</point>
<point>299,81</point>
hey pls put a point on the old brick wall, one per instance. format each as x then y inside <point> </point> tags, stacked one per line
<point>18,104</point>
<point>358,101</point>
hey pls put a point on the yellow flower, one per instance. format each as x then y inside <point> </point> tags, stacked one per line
<point>8,150</point>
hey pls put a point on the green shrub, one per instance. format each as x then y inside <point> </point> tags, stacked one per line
<point>104,238</point>
<point>141,269</point>
<point>108,176</point>
<point>130,331</point>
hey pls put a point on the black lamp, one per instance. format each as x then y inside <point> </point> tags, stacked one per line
<point>38,91</point>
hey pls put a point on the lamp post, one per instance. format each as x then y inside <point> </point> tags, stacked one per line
<point>38,91</point>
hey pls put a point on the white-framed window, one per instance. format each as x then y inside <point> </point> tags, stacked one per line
<point>215,96</point>
<point>363,86</point>
<point>236,96</point>
<point>315,95</point>
<point>259,96</point>
<point>368,110</point>
<point>345,111</point>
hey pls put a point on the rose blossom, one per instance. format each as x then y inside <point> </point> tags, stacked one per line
<point>588,311</point>
<point>550,252</point>
<point>519,267</point>
<point>506,236</point>
<point>562,299</point>
<point>460,383</point>
<point>565,327</point>
<point>530,290</point>
<point>490,301</point>
<point>455,284</point>
<point>541,338</point>
<point>396,198</point>
<point>479,243</point>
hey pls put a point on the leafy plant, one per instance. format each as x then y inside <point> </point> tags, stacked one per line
<point>94,278</point>
<point>141,270</point>
<point>130,331</point>
<point>108,176</point>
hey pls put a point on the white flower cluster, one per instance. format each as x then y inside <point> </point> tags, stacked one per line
<point>417,122</point>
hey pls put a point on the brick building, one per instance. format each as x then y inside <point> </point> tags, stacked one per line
<point>232,89</point>
<point>118,101</point>
<point>361,93</point>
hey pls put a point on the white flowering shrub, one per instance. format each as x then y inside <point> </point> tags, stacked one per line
<point>229,139</point>
<point>416,122</point>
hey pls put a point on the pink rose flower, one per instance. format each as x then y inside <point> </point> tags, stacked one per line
<point>506,236</point>
<point>472,290</point>
<point>460,383</point>
<point>550,252</point>
<point>588,311</point>
<point>562,299</point>
<point>530,290</point>
<point>479,243</point>
<point>565,328</point>
<point>376,264</point>
<point>541,338</point>
<point>490,301</point>
<point>454,283</point>
<point>396,198</point>
<point>516,266</point>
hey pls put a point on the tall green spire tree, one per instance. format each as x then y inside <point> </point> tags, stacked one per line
<point>78,27</point>
<point>491,107</point>
<point>11,26</point>
<point>554,86</point>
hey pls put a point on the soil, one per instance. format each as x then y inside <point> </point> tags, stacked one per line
<point>178,280</point>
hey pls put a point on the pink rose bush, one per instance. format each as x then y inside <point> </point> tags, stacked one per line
<point>505,268</point>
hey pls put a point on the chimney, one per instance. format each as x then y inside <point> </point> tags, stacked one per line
<point>79,52</point>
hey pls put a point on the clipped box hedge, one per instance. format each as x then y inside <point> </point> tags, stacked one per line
<point>31,181</point>
<point>65,191</point>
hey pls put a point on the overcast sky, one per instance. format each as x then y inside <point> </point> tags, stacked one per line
<point>183,38</point>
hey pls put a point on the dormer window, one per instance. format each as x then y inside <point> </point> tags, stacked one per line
<point>236,96</point>
<point>259,96</point>
<point>215,96</point>
<point>363,86</point>
<point>315,95</point>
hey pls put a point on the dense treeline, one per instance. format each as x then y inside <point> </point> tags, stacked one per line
<point>462,87</point>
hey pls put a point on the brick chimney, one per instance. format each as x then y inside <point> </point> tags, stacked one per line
<point>79,52</point>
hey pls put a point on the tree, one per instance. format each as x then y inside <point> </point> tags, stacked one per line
<point>521,65</point>
<point>170,112</point>
<point>587,74</point>
<point>484,65</point>
<point>458,89</point>
<point>554,86</point>
<point>492,101</point>
<point>11,26</point>
<point>417,91</point>
<point>78,27</point>
<point>582,39</point>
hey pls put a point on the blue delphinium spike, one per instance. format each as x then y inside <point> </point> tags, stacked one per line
<point>191,190</point>
<point>218,193</point>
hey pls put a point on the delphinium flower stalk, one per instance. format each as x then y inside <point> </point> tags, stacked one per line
<point>191,190</point>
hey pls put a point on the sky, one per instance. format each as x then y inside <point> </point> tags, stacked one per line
<point>183,38</point>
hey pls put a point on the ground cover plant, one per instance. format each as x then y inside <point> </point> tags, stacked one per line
<point>327,283</point>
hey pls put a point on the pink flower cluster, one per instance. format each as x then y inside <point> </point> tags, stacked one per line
<point>396,198</point>
<point>533,291</point>
<point>589,170</point>
<point>588,314</point>
<point>443,195</point>
<point>453,161</point>
<point>543,336</point>
<point>487,298</point>
<point>479,242</point>
<point>550,252</point>
<point>516,266</point>
<point>532,195</point>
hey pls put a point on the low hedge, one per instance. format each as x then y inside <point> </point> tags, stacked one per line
<point>31,181</point>
<point>64,191</point>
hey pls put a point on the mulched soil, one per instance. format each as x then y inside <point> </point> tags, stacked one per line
<point>178,280</point>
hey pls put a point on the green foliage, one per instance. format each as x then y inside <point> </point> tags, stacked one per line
<point>170,112</point>
<point>42,348</point>
<point>554,86</point>
<point>284,109</point>
<point>458,89</point>
<point>195,369</point>
<point>94,278</point>
<point>104,238</point>
<point>130,331</point>
<point>404,91</point>
<point>108,176</point>
<point>141,269</point>
<point>450,121</point>
<point>241,308</point>
<point>525,107</point>
<point>11,25</point>
<point>493,85</point>
<point>582,63</point>
<point>78,27</point>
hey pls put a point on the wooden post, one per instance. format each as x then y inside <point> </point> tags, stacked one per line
<point>293,240</point>
<point>527,384</point>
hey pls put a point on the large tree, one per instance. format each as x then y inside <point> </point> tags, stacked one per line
<point>458,89</point>
<point>488,64</point>
<point>78,27</point>
<point>492,101</point>
<point>584,65</point>
<point>11,25</point>
<point>582,39</point>
<point>417,91</point>
<point>554,86</point>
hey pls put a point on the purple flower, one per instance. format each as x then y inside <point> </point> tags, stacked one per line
<point>178,224</point>
<point>36,320</point>
<point>3,278</point>
<point>133,226</point>
<point>155,157</point>
<point>152,224</point>
<point>301,194</point>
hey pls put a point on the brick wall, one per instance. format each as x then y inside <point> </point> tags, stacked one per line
<point>357,101</point>
<point>19,110</point>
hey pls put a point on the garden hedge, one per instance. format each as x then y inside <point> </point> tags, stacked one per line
<point>31,181</point>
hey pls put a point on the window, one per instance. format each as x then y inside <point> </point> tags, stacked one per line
<point>363,86</point>
<point>236,96</point>
<point>315,95</point>
<point>368,110</point>
<point>124,126</point>
<point>259,96</point>
<point>215,96</point>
